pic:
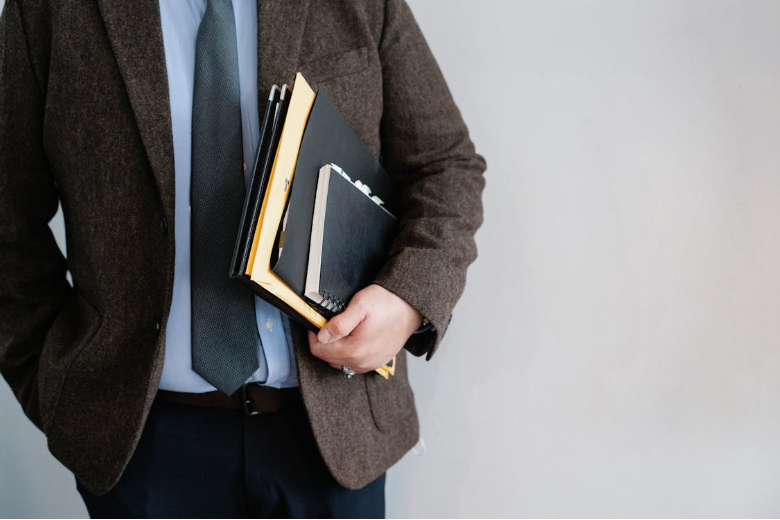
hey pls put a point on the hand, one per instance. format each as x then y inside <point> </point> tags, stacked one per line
<point>372,329</point>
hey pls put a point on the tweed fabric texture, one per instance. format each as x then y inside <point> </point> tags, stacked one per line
<point>86,120</point>
<point>224,329</point>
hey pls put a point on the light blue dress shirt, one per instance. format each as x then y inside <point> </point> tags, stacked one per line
<point>180,20</point>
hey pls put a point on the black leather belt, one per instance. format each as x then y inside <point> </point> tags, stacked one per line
<point>253,399</point>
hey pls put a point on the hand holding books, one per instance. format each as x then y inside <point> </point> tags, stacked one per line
<point>373,328</point>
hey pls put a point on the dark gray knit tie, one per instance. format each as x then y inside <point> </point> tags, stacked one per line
<point>224,330</point>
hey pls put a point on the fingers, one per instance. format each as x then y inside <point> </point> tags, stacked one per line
<point>339,353</point>
<point>342,324</point>
<point>330,353</point>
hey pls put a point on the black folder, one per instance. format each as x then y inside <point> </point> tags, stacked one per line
<point>270,132</point>
<point>328,139</point>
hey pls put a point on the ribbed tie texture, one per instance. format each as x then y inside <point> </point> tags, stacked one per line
<point>224,330</point>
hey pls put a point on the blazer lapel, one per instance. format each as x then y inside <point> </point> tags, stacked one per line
<point>135,33</point>
<point>280,28</point>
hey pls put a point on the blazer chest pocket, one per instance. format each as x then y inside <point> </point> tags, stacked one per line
<point>323,68</point>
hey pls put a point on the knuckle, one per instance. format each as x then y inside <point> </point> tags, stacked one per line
<point>359,365</point>
<point>348,360</point>
<point>360,351</point>
<point>359,310</point>
<point>360,303</point>
<point>341,327</point>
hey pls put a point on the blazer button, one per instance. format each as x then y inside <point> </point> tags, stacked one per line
<point>164,225</point>
<point>157,326</point>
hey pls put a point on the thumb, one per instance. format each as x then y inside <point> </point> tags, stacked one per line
<point>341,324</point>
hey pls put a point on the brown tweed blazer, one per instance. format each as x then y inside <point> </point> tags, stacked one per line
<point>86,121</point>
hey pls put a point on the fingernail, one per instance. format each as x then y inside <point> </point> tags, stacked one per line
<point>323,336</point>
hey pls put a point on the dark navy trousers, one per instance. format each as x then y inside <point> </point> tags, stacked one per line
<point>196,462</point>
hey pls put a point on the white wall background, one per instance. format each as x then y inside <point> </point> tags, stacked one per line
<point>616,350</point>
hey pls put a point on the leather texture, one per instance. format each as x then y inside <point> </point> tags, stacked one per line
<point>85,120</point>
<point>251,398</point>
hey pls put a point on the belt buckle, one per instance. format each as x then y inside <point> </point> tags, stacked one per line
<point>245,401</point>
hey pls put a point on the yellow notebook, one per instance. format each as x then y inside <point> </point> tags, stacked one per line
<point>275,199</point>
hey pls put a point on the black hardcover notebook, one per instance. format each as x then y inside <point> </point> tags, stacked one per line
<point>270,132</point>
<point>328,139</point>
<point>351,235</point>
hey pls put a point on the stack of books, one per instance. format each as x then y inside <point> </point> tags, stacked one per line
<point>318,219</point>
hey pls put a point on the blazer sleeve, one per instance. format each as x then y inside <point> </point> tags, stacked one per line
<point>33,287</point>
<point>427,149</point>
